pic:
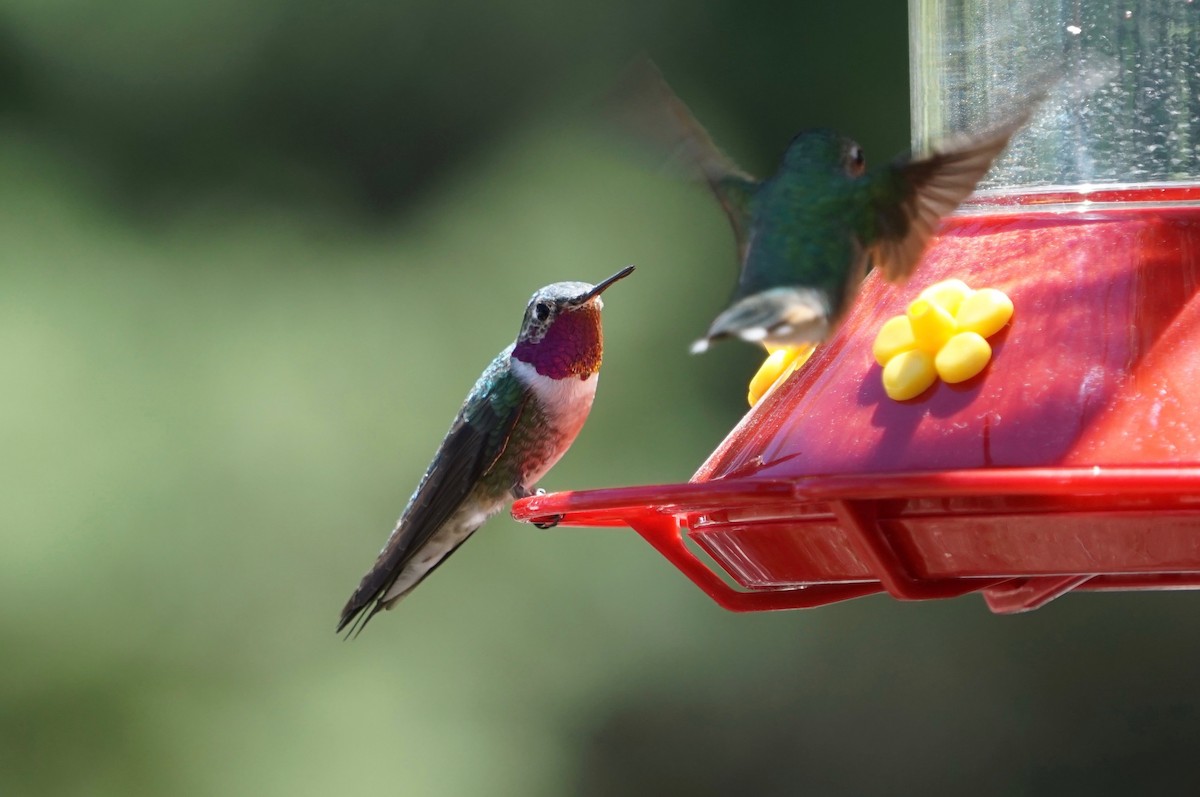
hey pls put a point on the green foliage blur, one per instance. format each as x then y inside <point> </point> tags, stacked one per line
<point>252,256</point>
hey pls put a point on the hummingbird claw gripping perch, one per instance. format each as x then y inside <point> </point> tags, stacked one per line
<point>548,522</point>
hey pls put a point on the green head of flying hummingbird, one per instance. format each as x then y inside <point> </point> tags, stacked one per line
<point>518,420</point>
<point>807,234</point>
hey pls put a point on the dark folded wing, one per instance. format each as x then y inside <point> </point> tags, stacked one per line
<point>475,441</point>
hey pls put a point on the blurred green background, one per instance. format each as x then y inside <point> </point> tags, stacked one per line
<point>254,254</point>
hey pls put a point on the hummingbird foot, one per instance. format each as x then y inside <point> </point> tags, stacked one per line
<point>521,491</point>
<point>548,522</point>
<point>545,522</point>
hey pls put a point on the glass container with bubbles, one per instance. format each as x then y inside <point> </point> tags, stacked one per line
<point>1137,129</point>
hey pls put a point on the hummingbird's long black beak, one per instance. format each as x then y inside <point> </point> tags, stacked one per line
<point>603,285</point>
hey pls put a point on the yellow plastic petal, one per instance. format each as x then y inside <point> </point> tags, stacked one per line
<point>781,361</point>
<point>963,356</point>
<point>801,353</point>
<point>932,326</point>
<point>985,312</point>
<point>767,373</point>
<point>895,336</point>
<point>908,374</point>
<point>947,294</point>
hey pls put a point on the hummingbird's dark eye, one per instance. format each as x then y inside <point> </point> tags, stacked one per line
<point>856,161</point>
<point>541,311</point>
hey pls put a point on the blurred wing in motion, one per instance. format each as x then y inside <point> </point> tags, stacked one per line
<point>909,197</point>
<point>645,107</point>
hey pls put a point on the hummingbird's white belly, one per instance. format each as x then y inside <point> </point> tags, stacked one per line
<point>453,533</point>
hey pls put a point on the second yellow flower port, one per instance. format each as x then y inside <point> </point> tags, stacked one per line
<point>943,334</point>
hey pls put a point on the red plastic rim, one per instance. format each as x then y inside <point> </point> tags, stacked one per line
<point>611,506</point>
<point>861,502</point>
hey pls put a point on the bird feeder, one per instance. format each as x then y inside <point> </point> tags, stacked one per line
<point>1072,461</point>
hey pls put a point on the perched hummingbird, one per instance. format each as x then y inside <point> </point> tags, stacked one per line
<point>807,234</point>
<point>518,420</point>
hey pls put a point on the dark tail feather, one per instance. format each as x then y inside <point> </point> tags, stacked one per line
<point>358,620</point>
<point>358,611</point>
<point>368,600</point>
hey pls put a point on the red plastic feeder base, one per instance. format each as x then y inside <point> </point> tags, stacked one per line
<point>1020,536</point>
<point>1071,463</point>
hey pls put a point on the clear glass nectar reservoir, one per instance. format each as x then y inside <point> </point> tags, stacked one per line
<point>972,59</point>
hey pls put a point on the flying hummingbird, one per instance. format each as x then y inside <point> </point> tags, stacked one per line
<point>518,420</point>
<point>807,235</point>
